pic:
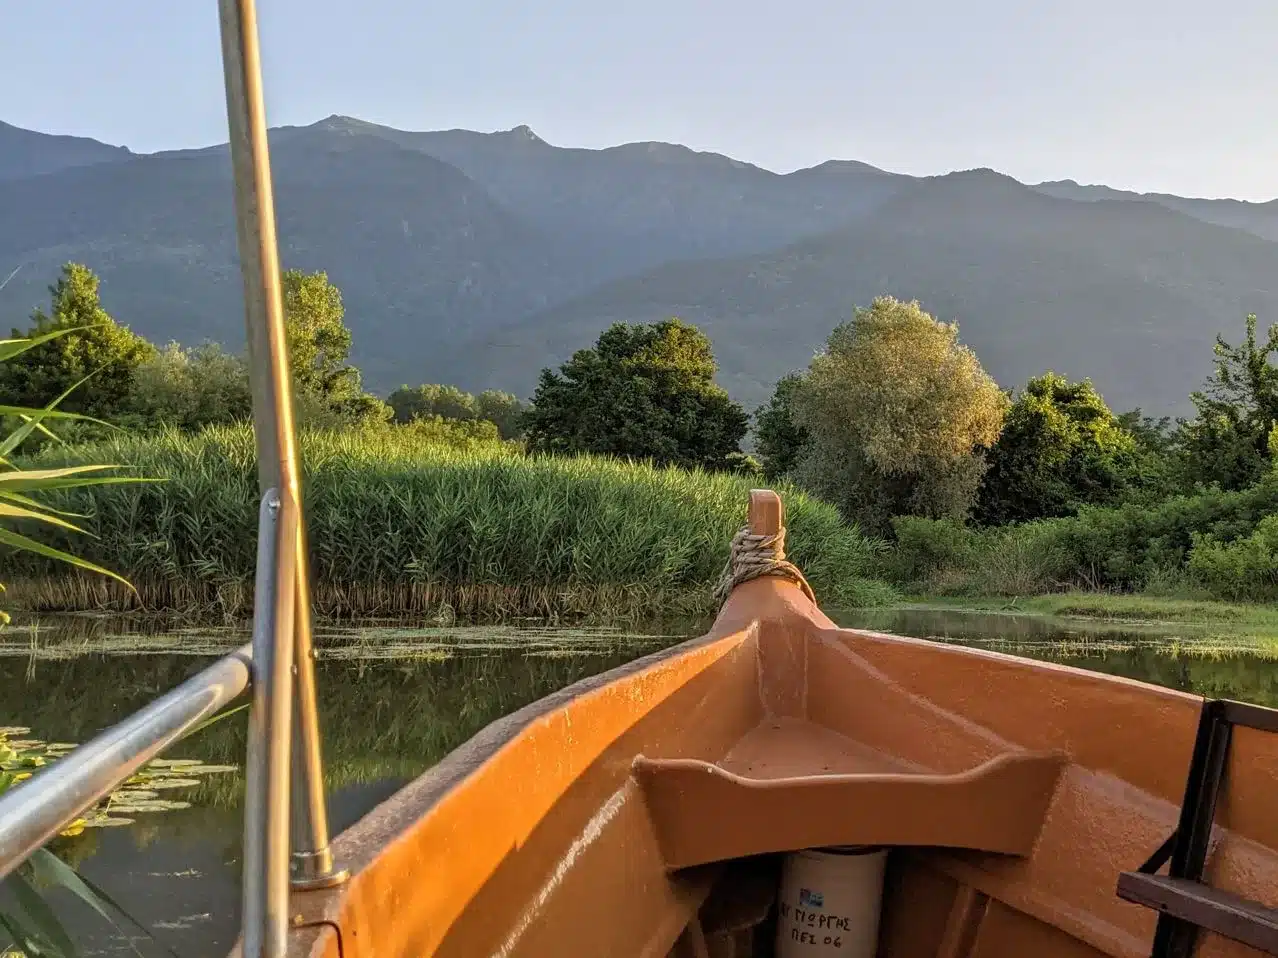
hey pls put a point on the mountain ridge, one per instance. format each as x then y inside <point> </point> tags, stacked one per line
<point>1010,279</point>
<point>476,258</point>
<point>25,153</point>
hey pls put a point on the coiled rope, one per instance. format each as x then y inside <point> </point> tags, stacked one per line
<point>752,556</point>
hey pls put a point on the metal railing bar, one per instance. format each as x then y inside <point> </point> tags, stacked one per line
<point>266,783</point>
<point>43,805</point>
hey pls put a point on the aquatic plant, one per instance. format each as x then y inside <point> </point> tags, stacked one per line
<point>18,505</point>
<point>401,525</point>
<point>30,922</point>
<point>21,756</point>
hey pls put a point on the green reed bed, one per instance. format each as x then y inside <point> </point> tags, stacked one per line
<point>399,525</point>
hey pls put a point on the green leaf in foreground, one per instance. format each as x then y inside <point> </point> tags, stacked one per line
<point>27,544</point>
<point>38,920</point>
<point>50,870</point>
<point>7,508</point>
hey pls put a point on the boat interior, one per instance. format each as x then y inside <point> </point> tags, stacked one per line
<point>1024,806</point>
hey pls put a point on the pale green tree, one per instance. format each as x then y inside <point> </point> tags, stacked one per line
<point>896,411</point>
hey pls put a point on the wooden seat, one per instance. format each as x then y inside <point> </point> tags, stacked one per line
<point>790,784</point>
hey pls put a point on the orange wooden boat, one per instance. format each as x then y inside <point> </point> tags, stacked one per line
<point>1022,809</point>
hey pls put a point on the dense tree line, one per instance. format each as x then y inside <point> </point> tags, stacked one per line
<point>894,417</point>
<point>434,400</point>
<point>101,369</point>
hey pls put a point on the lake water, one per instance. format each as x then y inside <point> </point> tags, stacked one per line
<point>394,700</point>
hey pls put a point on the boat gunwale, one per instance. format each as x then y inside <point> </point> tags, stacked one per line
<point>422,794</point>
<point>969,652</point>
<point>318,914</point>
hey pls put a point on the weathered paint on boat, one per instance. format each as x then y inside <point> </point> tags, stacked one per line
<point>641,812</point>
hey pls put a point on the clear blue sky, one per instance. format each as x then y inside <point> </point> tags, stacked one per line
<point>1171,95</point>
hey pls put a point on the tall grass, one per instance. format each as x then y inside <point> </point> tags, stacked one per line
<point>400,524</point>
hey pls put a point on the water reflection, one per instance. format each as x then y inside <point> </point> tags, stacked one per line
<point>393,702</point>
<point>395,699</point>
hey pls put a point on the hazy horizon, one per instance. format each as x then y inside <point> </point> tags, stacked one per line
<point>1166,97</point>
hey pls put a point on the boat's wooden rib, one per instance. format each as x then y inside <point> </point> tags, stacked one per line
<point>545,837</point>
<point>996,807</point>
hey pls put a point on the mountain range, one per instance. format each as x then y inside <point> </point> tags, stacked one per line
<point>479,258</point>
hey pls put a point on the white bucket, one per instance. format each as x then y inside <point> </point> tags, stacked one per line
<point>829,903</point>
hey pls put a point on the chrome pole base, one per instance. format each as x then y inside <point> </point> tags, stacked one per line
<point>311,871</point>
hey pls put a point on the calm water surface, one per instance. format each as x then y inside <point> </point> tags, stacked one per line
<point>395,700</point>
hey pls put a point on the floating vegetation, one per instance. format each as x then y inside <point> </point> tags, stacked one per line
<point>1060,637</point>
<point>375,641</point>
<point>22,756</point>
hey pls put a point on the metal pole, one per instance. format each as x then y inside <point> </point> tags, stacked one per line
<point>273,406</point>
<point>39,808</point>
<point>266,780</point>
<point>312,859</point>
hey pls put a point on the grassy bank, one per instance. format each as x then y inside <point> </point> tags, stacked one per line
<point>403,526</point>
<point>1117,607</point>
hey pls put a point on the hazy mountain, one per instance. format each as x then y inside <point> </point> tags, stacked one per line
<point>1128,293</point>
<point>420,252</point>
<point>28,153</point>
<point>1258,218</point>
<point>477,258</point>
<point>630,207</point>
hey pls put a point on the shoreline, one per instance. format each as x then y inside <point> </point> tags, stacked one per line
<point>1110,608</point>
<point>416,602</point>
<point>424,603</point>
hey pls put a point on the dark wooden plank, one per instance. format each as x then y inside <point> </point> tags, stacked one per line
<point>1218,911</point>
<point>1252,716</point>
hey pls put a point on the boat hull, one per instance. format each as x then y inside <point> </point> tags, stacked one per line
<point>645,811</point>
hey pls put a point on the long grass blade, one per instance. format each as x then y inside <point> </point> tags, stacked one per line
<point>16,347</point>
<point>16,541</point>
<point>21,512</point>
<point>32,419</point>
<point>54,871</point>
<point>40,918</point>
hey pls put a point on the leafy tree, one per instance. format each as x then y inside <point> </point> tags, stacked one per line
<point>190,388</point>
<point>1228,441</point>
<point>1159,471</point>
<point>329,390</point>
<point>448,402</point>
<point>1060,448</point>
<point>431,399</point>
<point>896,412</point>
<point>643,391</point>
<point>1156,436</point>
<point>103,348</point>
<point>503,410</point>
<point>779,438</point>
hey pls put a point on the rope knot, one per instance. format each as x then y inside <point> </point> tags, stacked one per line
<point>753,555</point>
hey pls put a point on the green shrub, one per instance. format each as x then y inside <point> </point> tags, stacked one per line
<point>945,557</point>
<point>925,547</point>
<point>1246,568</point>
<point>1214,540</point>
